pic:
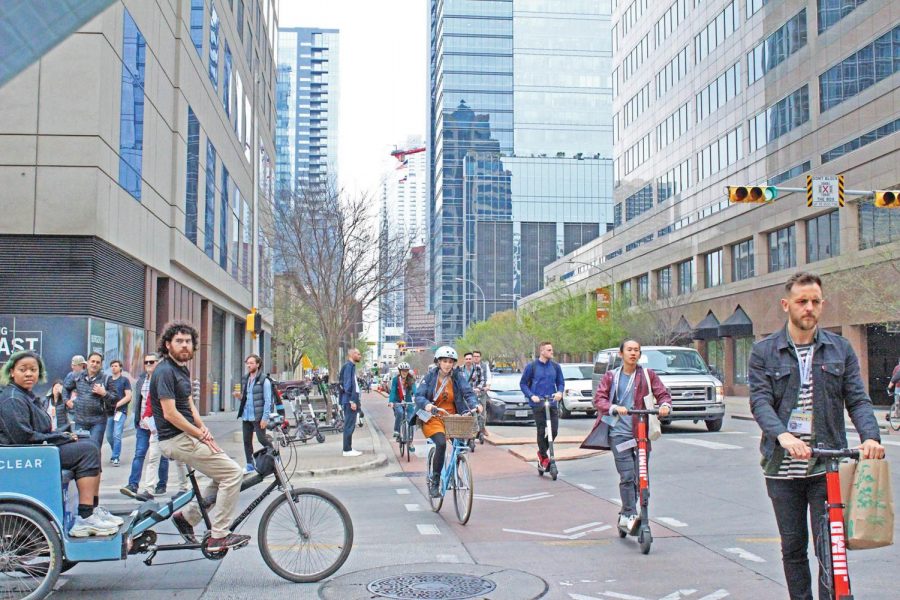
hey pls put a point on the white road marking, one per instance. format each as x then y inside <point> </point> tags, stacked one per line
<point>402,491</point>
<point>741,553</point>
<point>717,595</point>
<point>580,527</point>
<point>679,595</point>
<point>428,529</point>
<point>621,596</point>
<point>585,486</point>
<point>397,479</point>
<point>890,442</point>
<point>567,534</point>
<point>615,501</point>
<point>528,498</point>
<point>447,558</point>
<point>413,507</point>
<point>706,444</point>
<point>671,522</point>
<point>676,595</point>
<point>566,583</point>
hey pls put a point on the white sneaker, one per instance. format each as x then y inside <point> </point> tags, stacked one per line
<point>93,525</point>
<point>352,453</point>
<point>632,523</point>
<point>623,523</point>
<point>108,517</point>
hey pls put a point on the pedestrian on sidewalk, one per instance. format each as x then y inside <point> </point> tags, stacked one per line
<point>801,379</point>
<point>142,435</point>
<point>485,369</point>
<point>115,424</point>
<point>619,391</point>
<point>78,366</point>
<point>56,398</point>
<point>403,389</point>
<point>96,397</point>
<point>542,378</point>
<point>256,387</point>
<point>895,382</point>
<point>350,399</point>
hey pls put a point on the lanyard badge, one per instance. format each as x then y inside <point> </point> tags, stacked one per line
<point>800,422</point>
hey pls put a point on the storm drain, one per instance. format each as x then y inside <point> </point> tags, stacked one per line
<point>431,586</point>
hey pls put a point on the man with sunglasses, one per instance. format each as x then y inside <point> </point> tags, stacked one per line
<point>142,435</point>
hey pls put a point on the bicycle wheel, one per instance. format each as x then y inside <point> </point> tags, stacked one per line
<point>436,503</point>
<point>311,557</point>
<point>31,553</point>
<point>463,489</point>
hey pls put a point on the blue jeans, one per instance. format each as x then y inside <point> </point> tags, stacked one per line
<point>114,431</point>
<point>349,425</point>
<point>95,429</point>
<point>142,443</point>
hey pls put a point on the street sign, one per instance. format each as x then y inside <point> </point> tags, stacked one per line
<point>825,192</point>
<point>604,297</point>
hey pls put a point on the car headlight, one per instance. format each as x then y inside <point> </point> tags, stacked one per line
<point>720,393</point>
<point>573,393</point>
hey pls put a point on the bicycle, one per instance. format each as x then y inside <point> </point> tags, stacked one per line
<point>456,474</point>
<point>831,543</point>
<point>405,436</point>
<point>307,424</point>
<point>645,538</point>
<point>893,415</point>
<point>548,432</point>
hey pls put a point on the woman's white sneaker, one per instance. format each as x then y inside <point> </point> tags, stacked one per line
<point>93,525</point>
<point>107,516</point>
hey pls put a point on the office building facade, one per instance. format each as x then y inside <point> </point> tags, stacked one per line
<point>711,94</point>
<point>517,92</point>
<point>130,155</point>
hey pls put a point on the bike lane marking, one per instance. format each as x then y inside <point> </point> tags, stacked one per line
<point>745,554</point>
<point>413,507</point>
<point>428,529</point>
<point>402,491</point>
<point>526,498</point>
<point>890,442</point>
<point>707,444</point>
<point>669,521</point>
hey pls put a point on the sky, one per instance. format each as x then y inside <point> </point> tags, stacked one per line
<point>384,47</point>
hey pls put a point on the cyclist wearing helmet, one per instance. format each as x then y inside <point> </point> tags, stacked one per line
<point>444,387</point>
<point>403,389</point>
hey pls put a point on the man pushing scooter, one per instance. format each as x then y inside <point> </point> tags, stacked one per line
<point>543,378</point>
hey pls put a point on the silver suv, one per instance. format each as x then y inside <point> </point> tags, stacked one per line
<point>696,394</point>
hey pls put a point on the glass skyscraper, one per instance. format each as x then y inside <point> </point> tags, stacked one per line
<point>520,143</point>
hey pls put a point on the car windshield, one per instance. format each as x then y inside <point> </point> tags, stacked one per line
<point>577,371</point>
<point>674,362</point>
<point>506,383</point>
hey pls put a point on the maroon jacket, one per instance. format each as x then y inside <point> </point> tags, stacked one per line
<point>601,398</point>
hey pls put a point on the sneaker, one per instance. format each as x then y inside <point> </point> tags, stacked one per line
<point>434,487</point>
<point>108,517</point>
<point>184,528</point>
<point>160,490</point>
<point>412,448</point>
<point>633,523</point>
<point>115,462</point>
<point>232,540</point>
<point>250,468</point>
<point>361,423</point>
<point>92,526</point>
<point>129,490</point>
<point>623,523</point>
<point>348,453</point>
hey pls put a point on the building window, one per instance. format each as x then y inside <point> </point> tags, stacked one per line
<point>670,20</point>
<point>214,46</point>
<point>714,96</point>
<point>617,215</point>
<point>686,277</point>
<point>755,5</point>
<point>197,25</point>
<point>877,226</point>
<point>863,140</point>
<point>832,11</point>
<point>715,32</point>
<point>783,249</point>
<point>131,107</point>
<point>823,239</point>
<point>192,171</point>
<point>742,260</point>
<point>639,202</point>
<point>226,81</point>
<point>787,114</point>
<point>742,348</point>
<point>776,48</point>
<point>637,155</point>
<point>674,181</point>
<point>791,173</point>
<point>713,275</point>
<point>636,57</point>
<point>643,288</point>
<point>715,357</point>
<point>625,290</point>
<point>224,217</point>
<point>664,283</point>
<point>722,153</point>
<point>209,216</point>
<point>871,64</point>
<point>672,128</point>
<point>669,75</point>
<point>634,107</point>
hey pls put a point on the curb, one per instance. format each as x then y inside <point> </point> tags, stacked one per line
<point>848,426</point>
<point>379,461</point>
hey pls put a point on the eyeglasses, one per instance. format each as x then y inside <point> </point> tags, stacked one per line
<point>149,362</point>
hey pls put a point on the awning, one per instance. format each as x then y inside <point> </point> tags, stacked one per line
<point>737,325</point>
<point>707,329</point>
<point>683,329</point>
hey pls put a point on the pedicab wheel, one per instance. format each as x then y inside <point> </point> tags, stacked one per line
<point>436,503</point>
<point>30,553</point>
<point>463,489</point>
<point>645,539</point>
<point>314,553</point>
<point>320,438</point>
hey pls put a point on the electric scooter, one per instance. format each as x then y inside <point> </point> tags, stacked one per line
<point>642,527</point>
<point>548,432</point>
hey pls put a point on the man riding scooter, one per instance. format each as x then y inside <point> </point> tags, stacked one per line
<point>544,377</point>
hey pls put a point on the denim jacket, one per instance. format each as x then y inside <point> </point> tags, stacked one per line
<point>774,377</point>
<point>463,396</point>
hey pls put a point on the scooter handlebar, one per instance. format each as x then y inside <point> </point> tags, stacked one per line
<point>639,411</point>
<point>843,453</point>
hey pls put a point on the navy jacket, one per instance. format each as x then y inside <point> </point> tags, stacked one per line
<point>463,396</point>
<point>774,377</point>
<point>542,379</point>
<point>23,419</point>
<point>347,379</point>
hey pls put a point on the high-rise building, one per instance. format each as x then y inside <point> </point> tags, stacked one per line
<point>717,93</point>
<point>154,121</point>
<point>519,147</point>
<point>307,104</point>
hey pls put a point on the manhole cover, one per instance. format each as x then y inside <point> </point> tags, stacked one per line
<point>431,586</point>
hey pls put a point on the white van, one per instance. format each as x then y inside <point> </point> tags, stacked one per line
<point>696,394</point>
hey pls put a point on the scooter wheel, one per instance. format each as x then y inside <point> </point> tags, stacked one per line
<point>540,472</point>
<point>553,472</point>
<point>320,438</point>
<point>645,539</point>
<point>622,532</point>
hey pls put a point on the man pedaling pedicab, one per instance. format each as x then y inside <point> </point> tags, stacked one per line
<point>24,421</point>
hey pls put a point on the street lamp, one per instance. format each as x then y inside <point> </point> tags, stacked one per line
<point>483,300</point>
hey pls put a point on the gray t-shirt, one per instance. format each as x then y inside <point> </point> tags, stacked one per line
<point>625,397</point>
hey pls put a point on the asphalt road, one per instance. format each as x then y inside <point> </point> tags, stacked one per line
<point>714,532</point>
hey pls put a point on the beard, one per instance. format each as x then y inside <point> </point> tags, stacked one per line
<point>184,355</point>
<point>805,323</point>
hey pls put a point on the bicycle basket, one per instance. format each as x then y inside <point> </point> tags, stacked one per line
<point>264,462</point>
<point>460,426</point>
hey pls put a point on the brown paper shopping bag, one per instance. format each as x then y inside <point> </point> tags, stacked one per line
<point>869,517</point>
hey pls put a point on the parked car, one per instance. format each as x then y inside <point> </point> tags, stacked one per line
<point>696,394</point>
<point>505,401</point>
<point>579,394</point>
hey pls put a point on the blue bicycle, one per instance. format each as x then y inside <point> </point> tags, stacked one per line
<point>456,474</point>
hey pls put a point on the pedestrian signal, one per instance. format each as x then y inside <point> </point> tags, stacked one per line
<point>887,199</point>
<point>751,193</point>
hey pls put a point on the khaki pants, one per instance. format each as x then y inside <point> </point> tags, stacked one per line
<point>226,476</point>
<point>150,477</point>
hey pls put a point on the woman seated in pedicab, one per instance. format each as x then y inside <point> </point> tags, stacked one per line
<point>24,421</point>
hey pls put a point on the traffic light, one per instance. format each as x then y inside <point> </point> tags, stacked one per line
<point>887,198</point>
<point>751,193</point>
<point>254,323</point>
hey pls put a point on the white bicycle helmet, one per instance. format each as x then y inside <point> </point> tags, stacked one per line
<point>404,366</point>
<point>446,352</point>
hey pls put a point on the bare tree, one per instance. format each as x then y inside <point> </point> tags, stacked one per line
<point>329,247</point>
<point>871,292</point>
<point>296,333</point>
